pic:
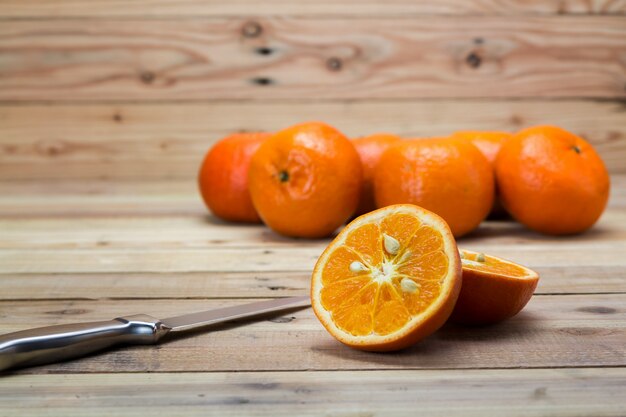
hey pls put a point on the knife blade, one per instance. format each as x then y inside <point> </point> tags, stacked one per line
<point>220,315</point>
<point>58,343</point>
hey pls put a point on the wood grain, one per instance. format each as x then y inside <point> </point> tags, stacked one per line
<point>116,244</point>
<point>479,393</point>
<point>194,256</point>
<point>555,331</point>
<point>207,233</point>
<point>239,285</point>
<point>304,58</point>
<point>348,8</point>
<point>264,260</point>
<point>76,198</point>
<point>167,198</point>
<point>157,141</point>
<point>107,107</point>
<point>154,240</point>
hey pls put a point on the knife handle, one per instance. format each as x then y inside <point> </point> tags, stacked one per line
<point>57,343</point>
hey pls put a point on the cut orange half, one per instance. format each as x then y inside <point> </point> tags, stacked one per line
<point>493,289</point>
<point>388,280</point>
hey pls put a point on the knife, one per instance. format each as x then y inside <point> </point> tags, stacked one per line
<point>57,343</point>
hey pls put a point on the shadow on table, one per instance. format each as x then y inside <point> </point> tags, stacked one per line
<point>261,233</point>
<point>516,232</point>
<point>451,346</point>
<point>496,230</point>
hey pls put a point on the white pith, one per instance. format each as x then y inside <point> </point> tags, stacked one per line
<point>383,274</point>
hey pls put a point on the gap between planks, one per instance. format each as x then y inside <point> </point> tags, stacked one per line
<point>202,9</point>
<point>243,285</point>
<point>251,298</point>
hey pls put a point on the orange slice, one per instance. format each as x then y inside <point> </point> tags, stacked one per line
<point>493,289</point>
<point>388,280</point>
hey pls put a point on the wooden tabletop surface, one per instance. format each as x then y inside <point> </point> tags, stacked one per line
<point>107,107</point>
<point>74,251</point>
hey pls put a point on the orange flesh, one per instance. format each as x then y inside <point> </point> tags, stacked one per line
<point>493,265</point>
<point>374,300</point>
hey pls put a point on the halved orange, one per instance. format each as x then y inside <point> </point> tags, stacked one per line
<point>493,289</point>
<point>388,280</point>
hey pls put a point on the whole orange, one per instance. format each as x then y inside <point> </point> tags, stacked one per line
<point>370,148</point>
<point>448,176</point>
<point>305,180</point>
<point>489,143</point>
<point>223,177</point>
<point>552,181</point>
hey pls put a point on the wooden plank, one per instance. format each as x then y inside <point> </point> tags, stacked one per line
<point>301,58</point>
<point>34,252</point>
<point>349,8</point>
<point>38,247</point>
<point>214,285</point>
<point>572,279</point>
<point>206,232</point>
<point>167,198</point>
<point>262,255</point>
<point>156,141</point>
<point>264,260</point>
<point>528,392</point>
<point>73,199</point>
<point>553,331</point>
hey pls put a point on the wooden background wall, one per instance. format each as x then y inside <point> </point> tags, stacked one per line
<point>128,90</point>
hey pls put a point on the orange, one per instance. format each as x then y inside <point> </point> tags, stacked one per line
<point>448,176</point>
<point>223,177</point>
<point>305,180</point>
<point>493,289</point>
<point>388,280</point>
<point>370,148</point>
<point>489,143</point>
<point>552,181</point>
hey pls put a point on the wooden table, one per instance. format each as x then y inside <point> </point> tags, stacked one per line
<point>79,251</point>
<point>107,107</point>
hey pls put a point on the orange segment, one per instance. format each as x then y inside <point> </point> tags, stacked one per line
<point>421,298</point>
<point>338,264</point>
<point>390,313</point>
<point>366,242</point>
<point>425,240</point>
<point>355,315</point>
<point>389,279</point>
<point>401,226</point>
<point>335,294</point>
<point>431,266</point>
<point>493,289</point>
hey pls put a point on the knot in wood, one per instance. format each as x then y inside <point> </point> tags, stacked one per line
<point>251,29</point>
<point>147,77</point>
<point>334,64</point>
<point>474,60</point>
